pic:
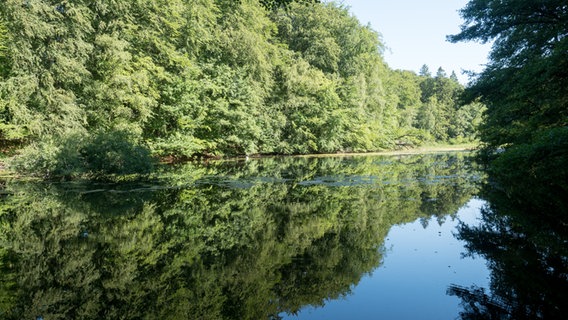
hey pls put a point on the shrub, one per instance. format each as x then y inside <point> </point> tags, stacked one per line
<point>115,152</point>
<point>53,156</point>
<point>75,155</point>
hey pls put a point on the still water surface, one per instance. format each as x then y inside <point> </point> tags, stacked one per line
<point>296,238</point>
<point>422,258</point>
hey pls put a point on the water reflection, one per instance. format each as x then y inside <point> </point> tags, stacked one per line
<point>230,240</point>
<point>524,237</point>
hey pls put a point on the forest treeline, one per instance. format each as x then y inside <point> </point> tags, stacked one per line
<point>103,87</point>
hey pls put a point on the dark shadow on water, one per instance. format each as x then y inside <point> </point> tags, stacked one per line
<point>524,237</point>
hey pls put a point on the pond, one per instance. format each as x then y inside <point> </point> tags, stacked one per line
<point>272,238</point>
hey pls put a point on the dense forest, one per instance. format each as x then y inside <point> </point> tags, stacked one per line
<point>104,87</point>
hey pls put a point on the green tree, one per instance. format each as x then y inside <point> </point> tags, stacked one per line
<point>440,96</point>
<point>274,4</point>
<point>8,130</point>
<point>466,121</point>
<point>405,92</point>
<point>425,71</point>
<point>333,41</point>
<point>524,84</point>
<point>454,76</point>
<point>314,120</point>
<point>49,47</point>
<point>427,117</point>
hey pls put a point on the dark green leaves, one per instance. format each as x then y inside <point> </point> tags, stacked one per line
<point>522,30</point>
<point>525,82</point>
<point>274,4</point>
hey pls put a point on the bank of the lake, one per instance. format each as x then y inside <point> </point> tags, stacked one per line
<point>6,172</point>
<point>426,149</point>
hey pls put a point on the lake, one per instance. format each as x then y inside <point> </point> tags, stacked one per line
<point>365,237</point>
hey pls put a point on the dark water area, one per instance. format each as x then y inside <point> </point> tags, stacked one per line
<point>368,237</point>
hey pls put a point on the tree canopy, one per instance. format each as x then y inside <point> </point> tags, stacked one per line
<point>525,83</point>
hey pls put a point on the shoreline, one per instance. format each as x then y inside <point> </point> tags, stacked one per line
<point>6,173</point>
<point>410,151</point>
<point>419,150</point>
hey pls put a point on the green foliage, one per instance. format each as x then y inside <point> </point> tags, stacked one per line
<point>48,52</point>
<point>540,162</point>
<point>430,109</point>
<point>231,111</point>
<point>524,85</point>
<point>78,155</point>
<point>3,48</point>
<point>274,4</point>
<point>439,105</point>
<point>311,107</point>
<point>49,157</point>
<point>207,78</point>
<point>115,152</point>
<point>333,41</point>
<point>466,122</point>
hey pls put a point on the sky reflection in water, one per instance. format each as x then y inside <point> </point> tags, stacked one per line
<point>422,259</point>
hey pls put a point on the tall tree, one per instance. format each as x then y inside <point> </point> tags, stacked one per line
<point>425,71</point>
<point>439,105</point>
<point>329,38</point>
<point>525,87</point>
<point>6,128</point>
<point>525,84</point>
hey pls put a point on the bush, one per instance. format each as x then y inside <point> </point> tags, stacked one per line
<point>49,157</point>
<point>78,155</point>
<point>180,146</point>
<point>115,152</point>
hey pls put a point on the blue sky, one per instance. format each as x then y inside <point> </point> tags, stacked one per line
<point>415,33</point>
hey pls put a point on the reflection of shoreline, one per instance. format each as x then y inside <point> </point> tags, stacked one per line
<point>6,173</point>
<point>410,151</point>
<point>220,241</point>
<point>419,150</point>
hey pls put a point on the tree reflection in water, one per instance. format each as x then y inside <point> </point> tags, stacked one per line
<point>524,237</point>
<point>229,240</point>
